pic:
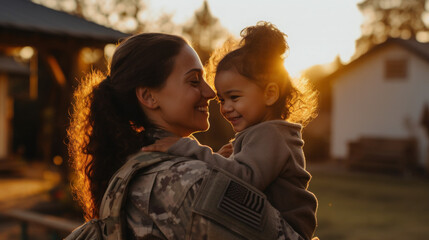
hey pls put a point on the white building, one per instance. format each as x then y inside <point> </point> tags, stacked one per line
<point>382,94</point>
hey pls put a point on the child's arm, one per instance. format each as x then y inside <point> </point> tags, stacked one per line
<point>262,157</point>
<point>263,154</point>
<point>226,150</point>
<point>189,147</point>
<point>162,145</point>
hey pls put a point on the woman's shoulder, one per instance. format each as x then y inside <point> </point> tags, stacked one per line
<point>188,169</point>
<point>177,174</point>
<point>160,191</point>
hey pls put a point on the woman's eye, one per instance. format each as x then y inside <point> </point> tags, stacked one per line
<point>195,81</point>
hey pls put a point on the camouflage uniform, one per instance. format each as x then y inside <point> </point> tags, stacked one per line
<point>161,196</point>
<point>183,198</point>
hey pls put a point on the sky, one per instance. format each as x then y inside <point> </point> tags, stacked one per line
<point>318,30</point>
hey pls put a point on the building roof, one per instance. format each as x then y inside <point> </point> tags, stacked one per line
<point>418,48</point>
<point>24,15</point>
<point>9,65</point>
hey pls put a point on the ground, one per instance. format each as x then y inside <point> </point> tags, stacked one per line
<point>370,206</point>
<point>34,187</point>
<point>352,205</point>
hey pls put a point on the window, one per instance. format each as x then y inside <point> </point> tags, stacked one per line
<point>395,69</point>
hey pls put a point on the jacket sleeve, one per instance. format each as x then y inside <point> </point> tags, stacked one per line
<point>263,156</point>
<point>188,147</point>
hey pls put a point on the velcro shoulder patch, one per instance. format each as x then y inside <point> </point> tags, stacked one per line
<point>243,204</point>
<point>237,206</point>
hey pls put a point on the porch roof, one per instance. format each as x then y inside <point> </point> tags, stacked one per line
<point>26,16</point>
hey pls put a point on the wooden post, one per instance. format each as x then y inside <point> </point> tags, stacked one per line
<point>34,80</point>
<point>24,231</point>
<point>4,130</point>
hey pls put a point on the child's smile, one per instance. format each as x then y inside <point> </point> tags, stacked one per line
<point>242,101</point>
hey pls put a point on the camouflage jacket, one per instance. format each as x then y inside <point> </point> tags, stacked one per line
<point>182,198</point>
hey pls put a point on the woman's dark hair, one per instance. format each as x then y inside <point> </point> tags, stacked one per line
<point>259,56</point>
<point>107,122</point>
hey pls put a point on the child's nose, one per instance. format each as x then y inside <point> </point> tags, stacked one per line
<point>226,107</point>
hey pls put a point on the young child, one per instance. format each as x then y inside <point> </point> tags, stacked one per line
<point>256,96</point>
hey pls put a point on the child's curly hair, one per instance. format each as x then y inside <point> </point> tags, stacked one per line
<point>259,56</point>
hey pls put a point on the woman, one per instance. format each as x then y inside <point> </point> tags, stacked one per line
<point>156,89</point>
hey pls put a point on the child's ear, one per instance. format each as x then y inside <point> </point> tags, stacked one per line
<point>271,93</point>
<point>146,98</point>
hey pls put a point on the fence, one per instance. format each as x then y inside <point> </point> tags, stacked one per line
<point>56,225</point>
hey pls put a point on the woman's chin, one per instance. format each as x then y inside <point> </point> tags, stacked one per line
<point>203,127</point>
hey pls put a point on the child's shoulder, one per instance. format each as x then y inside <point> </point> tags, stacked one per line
<point>273,127</point>
<point>277,124</point>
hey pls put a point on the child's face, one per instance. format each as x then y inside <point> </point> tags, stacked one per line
<point>242,102</point>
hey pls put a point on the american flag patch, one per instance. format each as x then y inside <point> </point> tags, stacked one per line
<point>243,204</point>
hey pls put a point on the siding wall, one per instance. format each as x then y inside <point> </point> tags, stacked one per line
<point>366,104</point>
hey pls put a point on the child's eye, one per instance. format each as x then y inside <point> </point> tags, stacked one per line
<point>234,97</point>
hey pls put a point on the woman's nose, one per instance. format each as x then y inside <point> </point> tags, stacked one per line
<point>207,91</point>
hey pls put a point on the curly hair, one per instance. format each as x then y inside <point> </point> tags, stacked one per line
<point>259,56</point>
<point>107,122</point>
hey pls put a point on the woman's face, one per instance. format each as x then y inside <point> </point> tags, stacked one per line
<point>183,100</point>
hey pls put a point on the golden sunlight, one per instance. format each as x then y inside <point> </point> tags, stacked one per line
<point>109,49</point>
<point>90,55</point>
<point>318,31</point>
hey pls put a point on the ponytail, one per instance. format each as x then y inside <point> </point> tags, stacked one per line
<point>107,123</point>
<point>101,137</point>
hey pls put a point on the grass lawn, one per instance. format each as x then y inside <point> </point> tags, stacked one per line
<point>359,206</point>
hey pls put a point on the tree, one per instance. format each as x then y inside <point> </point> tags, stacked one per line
<point>204,31</point>
<point>124,15</point>
<point>391,18</point>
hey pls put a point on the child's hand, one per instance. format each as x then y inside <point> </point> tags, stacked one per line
<point>161,145</point>
<point>226,150</point>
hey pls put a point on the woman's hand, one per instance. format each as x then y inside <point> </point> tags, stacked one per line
<point>161,145</point>
<point>226,150</point>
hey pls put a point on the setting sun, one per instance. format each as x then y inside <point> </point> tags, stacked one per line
<point>318,31</point>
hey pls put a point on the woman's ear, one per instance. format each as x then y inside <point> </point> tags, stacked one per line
<point>146,98</point>
<point>271,93</point>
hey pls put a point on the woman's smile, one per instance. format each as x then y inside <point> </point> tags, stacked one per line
<point>204,109</point>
